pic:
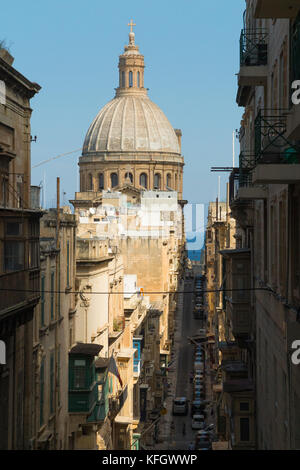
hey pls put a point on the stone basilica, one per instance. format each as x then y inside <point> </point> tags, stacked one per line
<point>131,142</point>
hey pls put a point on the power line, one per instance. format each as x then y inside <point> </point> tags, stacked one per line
<point>135,292</point>
<point>54,158</point>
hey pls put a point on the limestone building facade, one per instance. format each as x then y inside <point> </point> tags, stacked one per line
<point>19,255</point>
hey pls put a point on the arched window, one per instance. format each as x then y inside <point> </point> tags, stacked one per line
<point>168,180</point>
<point>130,79</point>
<point>130,176</point>
<point>90,182</point>
<point>157,181</point>
<point>176,182</point>
<point>123,80</point>
<point>114,179</point>
<point>144,180</point>
<point>138,79</point>
<point>100,181</point>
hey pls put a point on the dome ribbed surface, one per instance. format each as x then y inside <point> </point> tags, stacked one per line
<point>131,123</point>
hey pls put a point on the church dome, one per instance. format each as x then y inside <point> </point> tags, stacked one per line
<point>131,122</point>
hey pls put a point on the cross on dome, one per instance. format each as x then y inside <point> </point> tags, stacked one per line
<point>131,24</point>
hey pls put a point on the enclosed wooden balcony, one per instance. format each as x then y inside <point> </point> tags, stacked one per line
<point>237,291</point>
<point>276,8</point>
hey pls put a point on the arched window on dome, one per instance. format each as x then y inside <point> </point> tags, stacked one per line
<point>157,181</point>
<point>138,79</point>
<point>100,181</point>
<point>114,179</point>
<point>130,79</point>
<point>176,182</point>
<point>90,182</point>
<point>130,176</point>
<point>144,180</point>
<point>123,79</point>
<point>169,181</point>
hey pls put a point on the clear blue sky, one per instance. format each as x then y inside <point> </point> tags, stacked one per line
<point>71,49</point>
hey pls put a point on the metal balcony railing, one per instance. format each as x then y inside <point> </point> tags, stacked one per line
<point>254,47</point>
<point>271,143</point>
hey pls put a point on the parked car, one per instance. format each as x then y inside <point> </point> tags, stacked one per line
<point>198,422</point>
<point>180,406</point>
<point>198,407</point>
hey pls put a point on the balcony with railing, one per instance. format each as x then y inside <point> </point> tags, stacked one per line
<point>277,157</point>
<point>238,306</point>
<point>276,8</point>
<point>253,62</point>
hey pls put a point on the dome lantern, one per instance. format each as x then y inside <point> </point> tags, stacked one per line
<point>131,68</point>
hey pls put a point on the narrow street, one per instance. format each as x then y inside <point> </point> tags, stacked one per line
<point>187,326</point>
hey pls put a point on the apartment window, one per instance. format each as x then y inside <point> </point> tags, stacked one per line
<point>43,301</point>
<point>34,254</point>
<point>244,406</point>
<point>52,297</point>
<point>244,429</point>
<point>52,383</point>
<point>144,180</point>
<point>79,373</point>
<point>100,181</point>
<point>114,180</point>
<point>13,256</point>
<point>42,391</point>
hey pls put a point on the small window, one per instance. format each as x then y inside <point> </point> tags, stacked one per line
<point>157,181</point>
<point>123,79</point>
<point>144,180</point>
<point>13,229</point>
<point>138,79</point>
<point>100,181</point>
<point>90,182</point>
<point>244,406</point>
<point>13,256</point>
<point>244,429</point>
<point>114,180</point>
<point>34,254</point>
<point>169,180</point>
<point>130,79</point>
<point>79,373</point>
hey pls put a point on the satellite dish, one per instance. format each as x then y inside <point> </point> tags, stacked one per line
<point>92,211</point>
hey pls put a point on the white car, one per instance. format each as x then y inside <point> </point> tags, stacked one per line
<point>198,422</point>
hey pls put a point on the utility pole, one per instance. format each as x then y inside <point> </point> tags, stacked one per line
<point>57,308</point>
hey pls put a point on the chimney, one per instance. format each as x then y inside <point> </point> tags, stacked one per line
<point>5,55</point>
